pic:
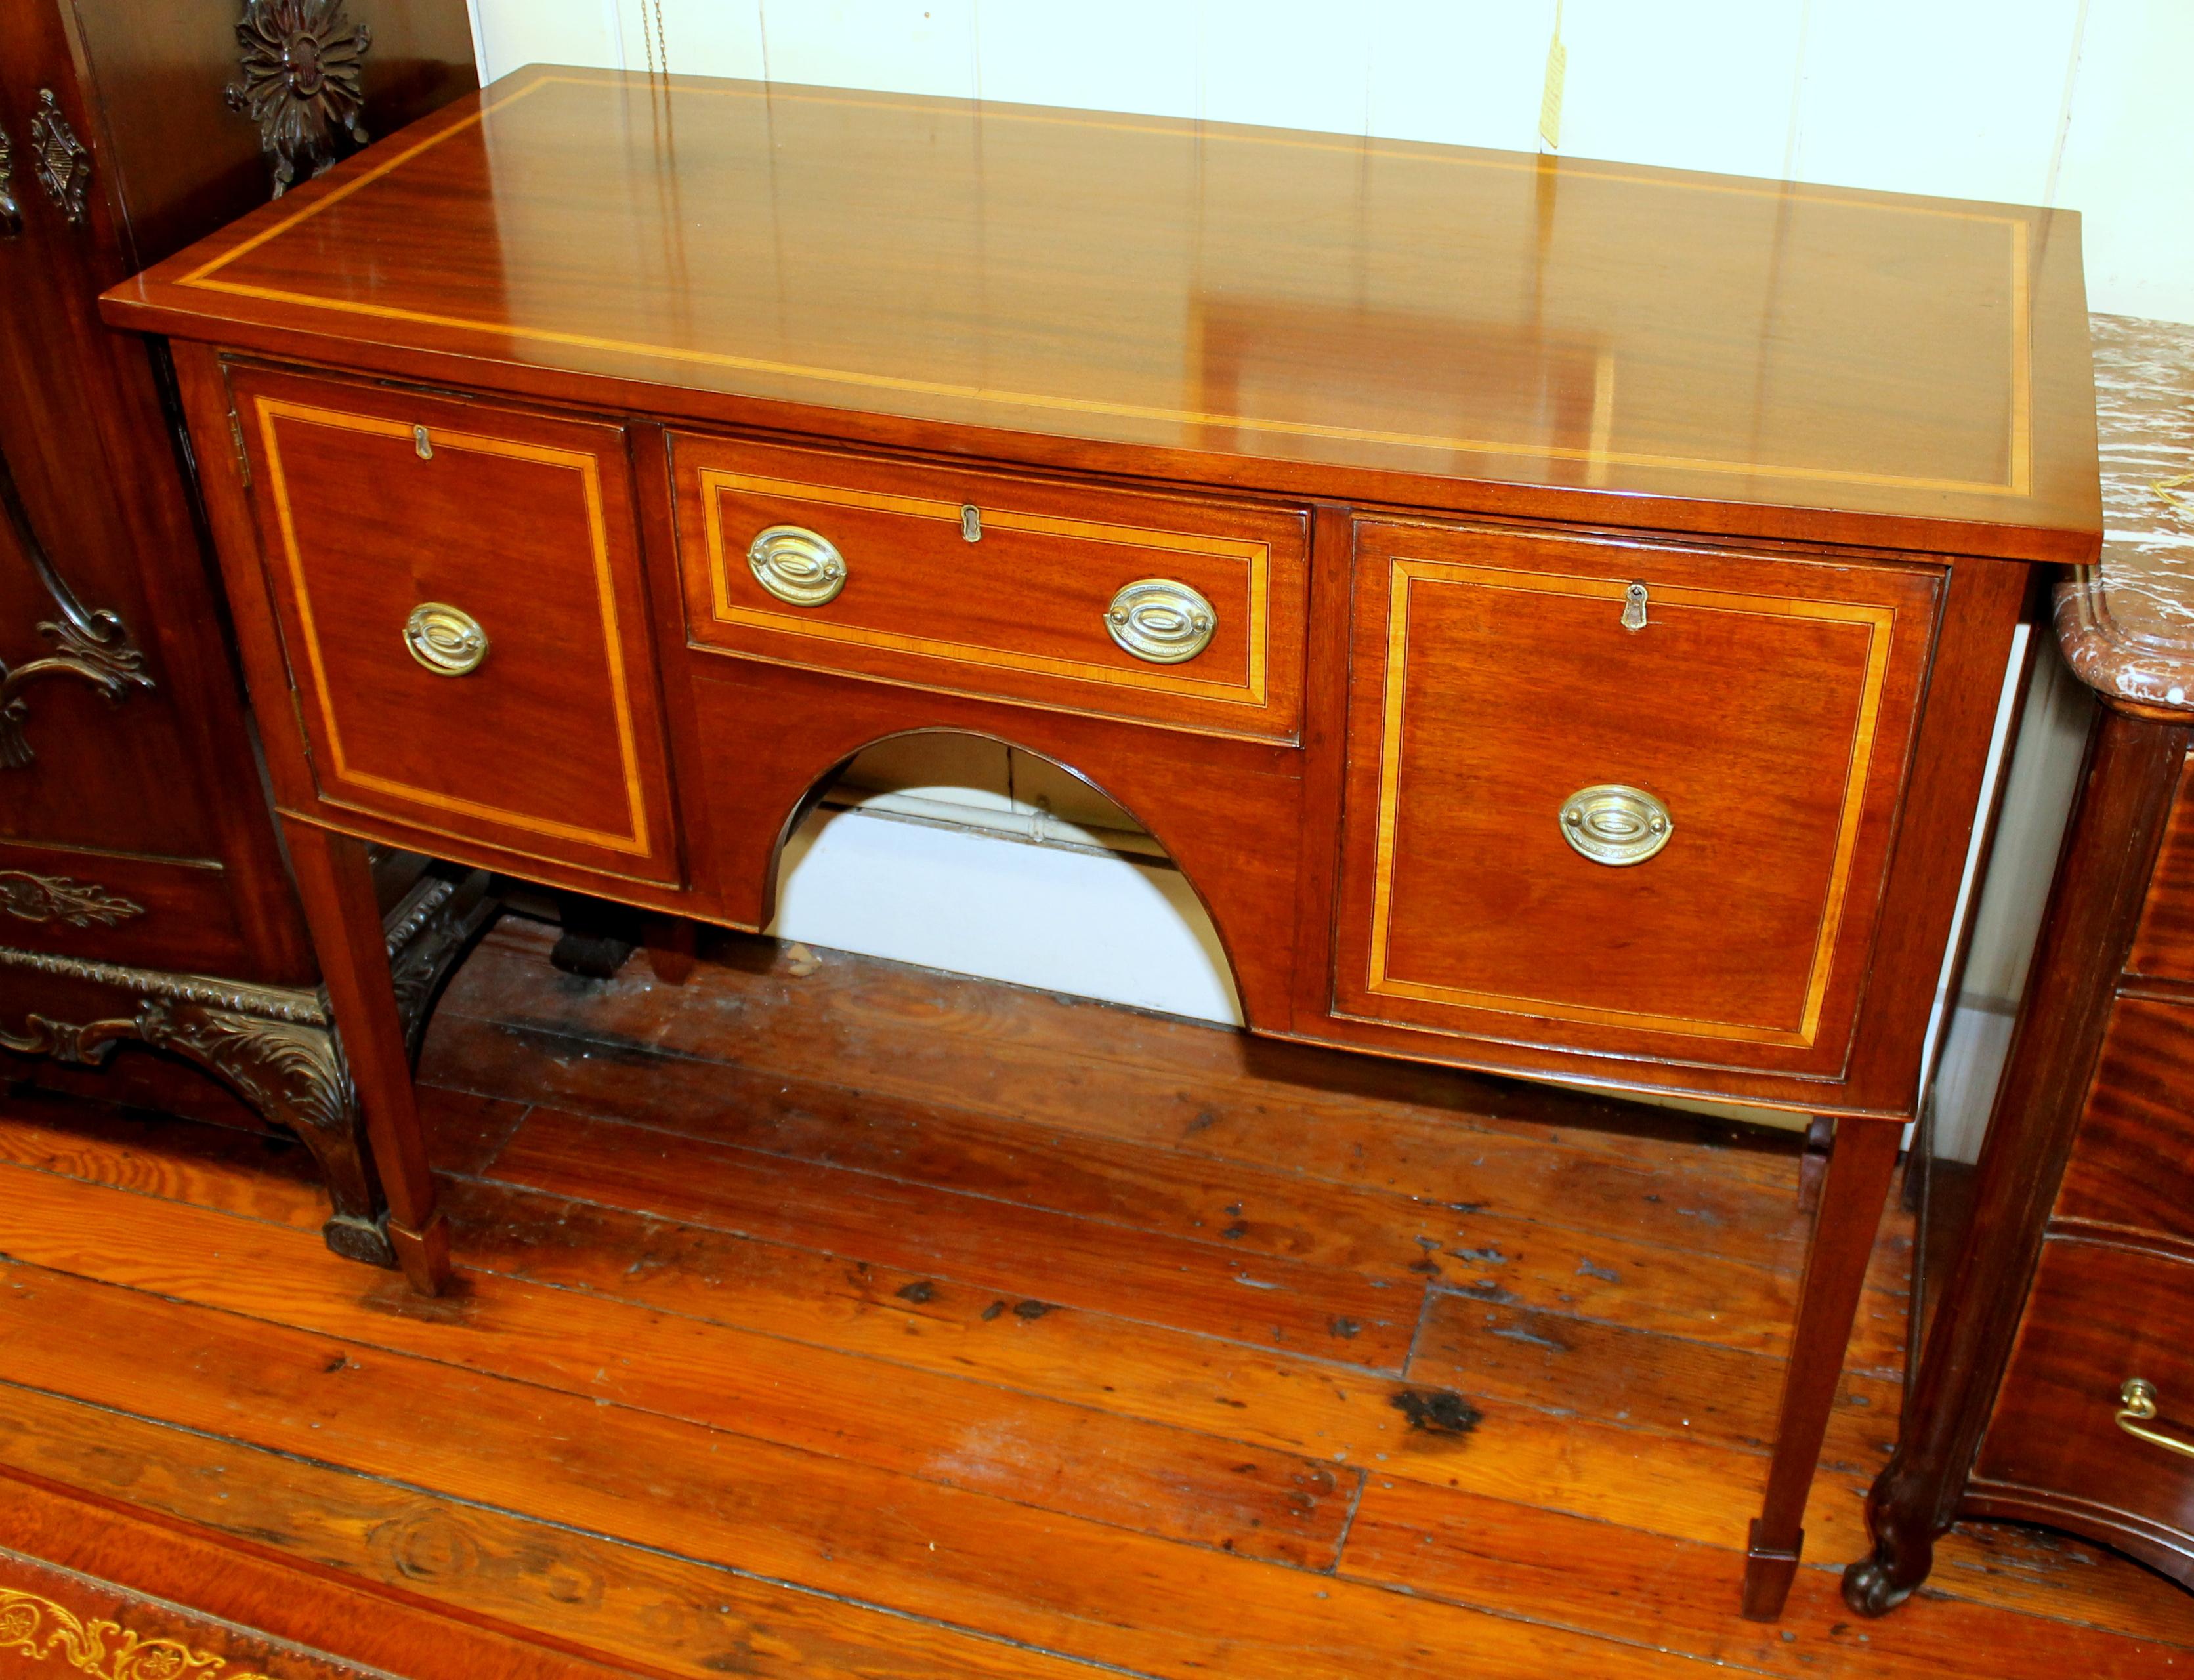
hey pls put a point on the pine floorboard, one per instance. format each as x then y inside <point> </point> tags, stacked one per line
<point>824,1317</point>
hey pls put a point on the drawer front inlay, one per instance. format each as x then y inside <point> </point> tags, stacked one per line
<point>1088,598</point>
<point>1710,889</point>
<point>464,617</point>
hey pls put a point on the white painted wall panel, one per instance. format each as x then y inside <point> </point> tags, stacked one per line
<point>1137,55</point>
<point>1466,74</point>
<point>2128,162</point>
<point>1697,85</point>
<point>713,40</point>
<point>1960,98</point>
<point>907,46</point>
<point>511,33</point>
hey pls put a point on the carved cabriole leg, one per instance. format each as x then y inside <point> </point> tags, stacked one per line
<point>295,1076</point>
<point>1857,1184</point>
<point>334,882</point>
<point>275,1046</point>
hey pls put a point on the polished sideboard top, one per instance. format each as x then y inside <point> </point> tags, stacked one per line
<point>1374,320</point>
<point>2127,623</point>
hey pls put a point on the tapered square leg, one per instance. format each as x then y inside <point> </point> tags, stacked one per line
<point>1849,1213</point>
<point>335,880</point>
<point>1768,1573</point>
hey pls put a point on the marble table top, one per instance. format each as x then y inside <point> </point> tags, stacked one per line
<point>2127,623</point>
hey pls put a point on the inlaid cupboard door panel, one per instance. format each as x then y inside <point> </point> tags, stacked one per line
<point>1621,797</point>
<point>461,606</point>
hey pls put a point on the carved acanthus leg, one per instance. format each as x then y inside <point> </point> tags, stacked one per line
<point>276,1046</point>
<point>295,1076</point>
<point>272,1047</point>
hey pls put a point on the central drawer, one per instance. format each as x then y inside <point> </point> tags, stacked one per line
<point>1170,610</point>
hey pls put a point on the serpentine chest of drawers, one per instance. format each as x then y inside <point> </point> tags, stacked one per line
<point>1553,613</point>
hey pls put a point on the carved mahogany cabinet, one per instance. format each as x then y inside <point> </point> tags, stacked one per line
<point>143,894</point>
<point>2058,1381</point>
<point>1555,613</point>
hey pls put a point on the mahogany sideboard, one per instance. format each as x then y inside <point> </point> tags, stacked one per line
<point>1553,612</point>
<point>143,896</point>
<point>2057,1384</point>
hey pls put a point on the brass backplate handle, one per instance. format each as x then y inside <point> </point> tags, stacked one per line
<point>1616,825</point>
<point>1162,621</point>
<point>797,564</point>
<point>59,159</point>
<point>447,640</point>
<point>2137,1410</point>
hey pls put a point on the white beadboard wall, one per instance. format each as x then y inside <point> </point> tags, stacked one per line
<point>2078,103</point>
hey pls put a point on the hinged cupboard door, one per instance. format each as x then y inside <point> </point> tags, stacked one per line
<point>1621,798</point>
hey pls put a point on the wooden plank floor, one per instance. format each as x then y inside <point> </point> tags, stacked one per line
<point>822,1317</point>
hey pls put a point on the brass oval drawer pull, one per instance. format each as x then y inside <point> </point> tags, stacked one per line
<point>797,564</point>
<point>1611,823</point>
<point>2137,1409</point>
<point>446,639</point>
<point>1165,621</point>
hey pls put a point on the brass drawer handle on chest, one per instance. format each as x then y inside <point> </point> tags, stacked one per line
<point>797,564</point>
<point>1165,621</point>
<point>1616,825</point>
<point>446,639</point>
<point>2137,1409</point>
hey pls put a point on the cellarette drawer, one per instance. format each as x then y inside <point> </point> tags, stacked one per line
<point>461,600</point>
<point>1176,610</point>
<point>1622,797</point>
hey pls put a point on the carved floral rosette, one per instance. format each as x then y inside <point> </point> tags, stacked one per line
<point>303,82</point>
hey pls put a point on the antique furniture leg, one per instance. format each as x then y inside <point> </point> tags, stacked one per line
<point>1860,1163</point>
<point>673,948</point>
<point>2101,878</point>
<point>273,1046</point>
<point>1813,1164</point>
<point>598,938</point>
<point>335,878</point>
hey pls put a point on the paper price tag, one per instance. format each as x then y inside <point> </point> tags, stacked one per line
<point>1550,101</point>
